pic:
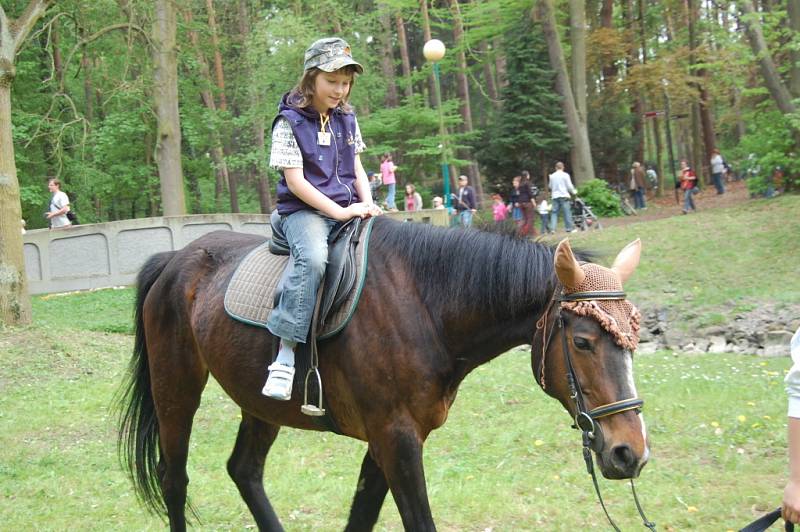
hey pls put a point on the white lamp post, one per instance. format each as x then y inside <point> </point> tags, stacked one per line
<point>434,51</point>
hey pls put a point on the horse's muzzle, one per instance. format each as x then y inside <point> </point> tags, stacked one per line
<point>621,461</point>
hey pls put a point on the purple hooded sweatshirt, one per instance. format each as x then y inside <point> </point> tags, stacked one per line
<point>330,169</point>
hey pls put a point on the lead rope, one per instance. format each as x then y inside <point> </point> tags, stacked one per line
<point>645,521</point>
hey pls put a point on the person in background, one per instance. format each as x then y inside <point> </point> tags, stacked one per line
<point>413,199</point>
<point>516,208</point>
<point>24,224</point>
<point>59,205</point>
<point>717,169</point>
<point>374,183</point>
<point>388,178</point>
<point>544,215</point>
<point>314,194</point>
<point>637,186</point>
<point>499,209</point>
<point>689,186</point>
<point>465,202</point>
<point>791,493</point>
<point>527,204</point>
<point>561,192</point>
<point>438,202</point>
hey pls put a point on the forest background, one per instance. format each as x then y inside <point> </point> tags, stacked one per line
<point>164,107</point>
<point>85,109</point>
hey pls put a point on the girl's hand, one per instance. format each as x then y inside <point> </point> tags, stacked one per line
<point>360,210</point>
<point>791,502</point>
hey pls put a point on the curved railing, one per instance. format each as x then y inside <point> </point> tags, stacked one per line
<point>111,253</point>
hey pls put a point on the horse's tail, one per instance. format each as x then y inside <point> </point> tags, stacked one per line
<point>138,437</point>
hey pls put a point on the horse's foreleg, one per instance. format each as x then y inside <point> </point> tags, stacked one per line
<point>246,468</point>
<point>398,452</point>
<point>370,493</point>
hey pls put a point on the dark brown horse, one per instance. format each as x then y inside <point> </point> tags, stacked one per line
<point>436,304</point>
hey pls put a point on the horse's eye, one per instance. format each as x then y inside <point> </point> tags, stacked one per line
<point>582,343</point>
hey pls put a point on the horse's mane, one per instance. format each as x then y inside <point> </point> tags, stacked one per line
<point>496,274</point>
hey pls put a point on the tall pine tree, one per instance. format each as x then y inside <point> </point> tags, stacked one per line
<point>528,132</point>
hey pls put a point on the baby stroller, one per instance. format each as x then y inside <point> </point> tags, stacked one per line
<point>583,217</point>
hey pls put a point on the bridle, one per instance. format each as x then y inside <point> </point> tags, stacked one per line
<point>586,420</point>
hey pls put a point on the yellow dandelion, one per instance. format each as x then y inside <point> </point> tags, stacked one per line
<point>691,509</point>
<point>766,416</point>
<point>741,418</point>
<point>714,424</point>
<point>750,403</point>
<point>538,443</point>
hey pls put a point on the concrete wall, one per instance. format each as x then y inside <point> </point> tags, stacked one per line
<point>111,253</point>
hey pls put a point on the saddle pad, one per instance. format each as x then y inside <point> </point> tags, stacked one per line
<point>249,297</point>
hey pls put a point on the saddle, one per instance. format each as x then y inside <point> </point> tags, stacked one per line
<point>257,283</point>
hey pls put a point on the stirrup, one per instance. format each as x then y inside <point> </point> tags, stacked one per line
<point>311,409</point>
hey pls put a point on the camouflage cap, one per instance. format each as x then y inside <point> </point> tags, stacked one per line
<point>330,54</point>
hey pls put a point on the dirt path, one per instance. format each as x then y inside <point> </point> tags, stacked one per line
<point>664,207</point>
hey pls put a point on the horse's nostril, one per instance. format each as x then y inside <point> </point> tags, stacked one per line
<point>623,456</point>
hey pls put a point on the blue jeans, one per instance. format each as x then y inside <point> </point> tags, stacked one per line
<point>307,233</point>
<point>390,192</point>
<point>638,198</point>
<point>717,178</point>
<point>688,201</point>
<point>564,205</point>
<point>465,217</point>
<point>545,221</point>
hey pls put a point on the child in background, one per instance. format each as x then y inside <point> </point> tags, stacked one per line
<point>499,209</point>
<point>544,215</point>
<point>316,143</point>
<point>413,199</point>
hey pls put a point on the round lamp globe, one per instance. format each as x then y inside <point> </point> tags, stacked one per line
<point>434,50</point>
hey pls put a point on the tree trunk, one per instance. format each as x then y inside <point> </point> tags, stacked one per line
<point>577,36</point>
<point>404,59</point>
<point>488,76</point>
<point>703,111</point>
<point>462,88</point>
<point>165,94</point>
<point>582,171</point>
<point>258,169</point>
<point>500,68</point>
<point>387,57</point>
<point>659,164</point>
<point>219,74</point>
<point>772,79</point>
<point>223,176</point>
<point>15,303</point>
<point>609,69</point>
<point>793,9</point>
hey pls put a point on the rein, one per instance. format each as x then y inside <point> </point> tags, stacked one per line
<point>586,420</point>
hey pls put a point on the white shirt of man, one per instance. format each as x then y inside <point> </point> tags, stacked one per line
<point>58,201</point>
<point>561,185</point>
<point>716,164</point>
<point>793,377</point>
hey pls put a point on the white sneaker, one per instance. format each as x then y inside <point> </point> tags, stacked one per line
<point>279,382</point>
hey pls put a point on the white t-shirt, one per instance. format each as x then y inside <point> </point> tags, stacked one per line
<point>793,377</point>
<point>285,153</point>
<point>716,164</point>
<point>57,202</point>
<point>561,185</point>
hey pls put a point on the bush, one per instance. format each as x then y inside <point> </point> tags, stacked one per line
<point>600,197</point>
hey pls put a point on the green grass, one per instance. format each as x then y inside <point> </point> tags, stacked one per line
<point>721,261</point>
<point>505,460</point>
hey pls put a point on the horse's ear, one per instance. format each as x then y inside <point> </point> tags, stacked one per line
<point>567,268</point>
<point>627,260</point>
